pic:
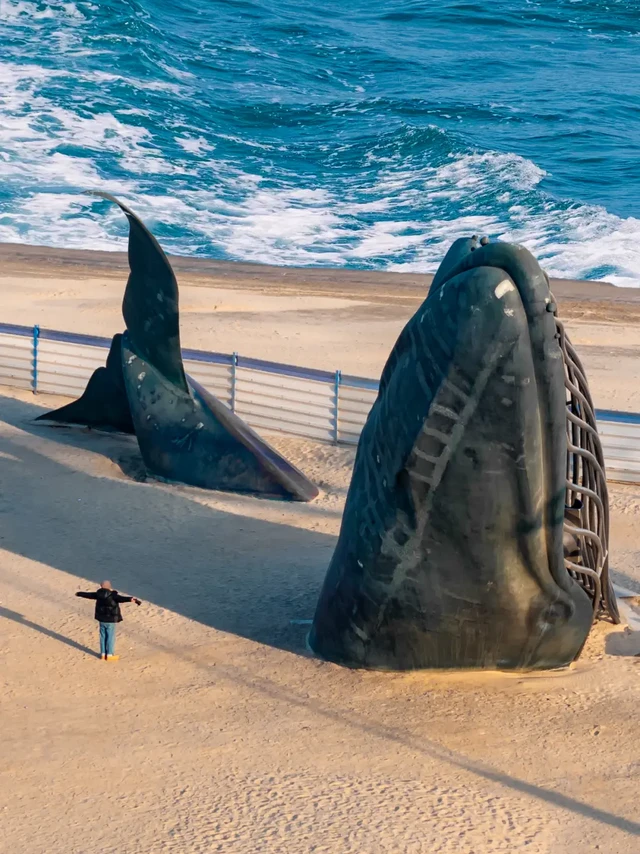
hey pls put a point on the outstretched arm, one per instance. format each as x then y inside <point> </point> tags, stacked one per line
<point>86,595</point>
<point>122,599</point>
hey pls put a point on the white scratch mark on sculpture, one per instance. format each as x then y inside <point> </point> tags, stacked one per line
<point>503,288</point>
<point>360,632</point>
<point>141,376</point>
<point>422,478</point>
<point>426,457</point>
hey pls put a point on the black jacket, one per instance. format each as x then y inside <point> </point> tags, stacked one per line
<point>107,604</point>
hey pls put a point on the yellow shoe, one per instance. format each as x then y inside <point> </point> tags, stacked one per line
<point>113,657</point>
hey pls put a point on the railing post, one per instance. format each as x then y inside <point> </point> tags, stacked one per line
<point>336,405</point>
<point>234,370</point>
<point>34,362</point>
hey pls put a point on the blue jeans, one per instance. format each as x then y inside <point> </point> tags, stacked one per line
<point>107,638</point>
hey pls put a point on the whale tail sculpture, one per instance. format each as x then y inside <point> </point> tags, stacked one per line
<point>466,495</point>
<point>185,434</point>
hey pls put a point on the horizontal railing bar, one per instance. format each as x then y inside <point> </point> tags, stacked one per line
<point>359,382</point>
<point>15,329</point>
<point>74,338</point>
<point>291,409</point>
<point>282,403</point>
<point>248,411</point>
<point>206,356</point>
<point>286,370</point>
<point>278,384</point>
<point>614,417</point>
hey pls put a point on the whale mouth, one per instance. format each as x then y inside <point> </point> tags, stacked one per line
<point>456,548</point>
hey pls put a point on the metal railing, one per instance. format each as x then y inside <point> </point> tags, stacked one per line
<point>329,406</point>
<point>325,405</point>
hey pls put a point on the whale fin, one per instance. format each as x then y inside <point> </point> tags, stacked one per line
<point>185,434</point>
<point>150,304</point>
<point>192,437</point>
<point>104,403</point>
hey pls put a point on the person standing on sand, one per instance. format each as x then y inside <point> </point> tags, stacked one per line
<point>108,613</point>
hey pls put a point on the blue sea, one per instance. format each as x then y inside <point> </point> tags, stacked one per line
<point>357,133</point>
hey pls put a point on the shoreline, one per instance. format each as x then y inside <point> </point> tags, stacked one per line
<point>346,283</point>
<point>323,318</point>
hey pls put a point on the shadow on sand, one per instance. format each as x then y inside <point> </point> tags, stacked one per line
<point>230,571</point>
<point>6,614</point>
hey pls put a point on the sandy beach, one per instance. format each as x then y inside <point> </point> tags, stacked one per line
<point>320,318</point>
<point>217,730</point>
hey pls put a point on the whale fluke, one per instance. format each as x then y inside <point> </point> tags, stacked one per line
<point>185,434</point>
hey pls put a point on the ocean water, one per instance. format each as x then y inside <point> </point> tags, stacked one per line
<point>360,134</point>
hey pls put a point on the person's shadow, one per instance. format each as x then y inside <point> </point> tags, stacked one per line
<point>18,618</point>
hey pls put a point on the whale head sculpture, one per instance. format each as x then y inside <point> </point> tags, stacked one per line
<point>452,548</point>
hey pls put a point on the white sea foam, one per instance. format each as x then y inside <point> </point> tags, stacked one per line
<point>385,239</point>
<point>395,213</point>
<point>241,141</point>
<point>23,10</point>
<point>576,244</point>
<point>584,239</point>
<point>194,145</point>
<point>471,171</point>
<point>59,219</point>
<point>298,226</point>
<point>293,226</point>
<point>12,12</point>
<point>176,72</point>
<point>152,163</point>
<point>31,155</point>
<point>135,82</point>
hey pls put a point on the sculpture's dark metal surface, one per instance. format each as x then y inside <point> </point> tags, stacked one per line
<point>104,403</point>
<point>452,547</point>
<point>185,434</point>
<point>586,526</point>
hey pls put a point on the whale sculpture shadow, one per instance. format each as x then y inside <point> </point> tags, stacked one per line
<point>185,434</point>
<point>454,551</point>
